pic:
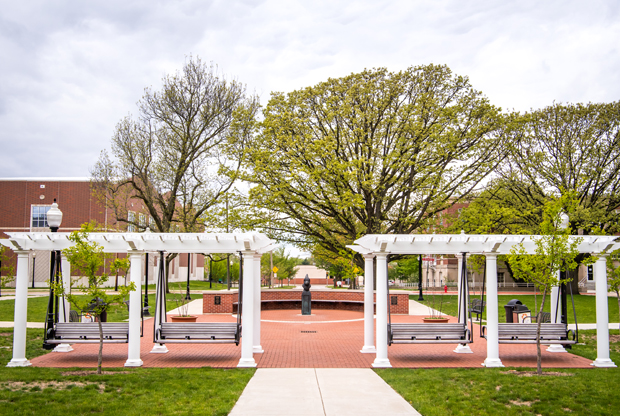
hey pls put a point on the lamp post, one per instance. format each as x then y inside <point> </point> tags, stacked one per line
<point>564,221</point>
<point>189,262</point>
<point>420,297</point>
<point>34,264</point>
<point>54,219</point>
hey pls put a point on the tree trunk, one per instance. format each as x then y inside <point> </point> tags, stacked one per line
<point>100,357</point>
<point>538,324</point>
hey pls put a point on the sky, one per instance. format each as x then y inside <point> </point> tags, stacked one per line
<point>70,70</point>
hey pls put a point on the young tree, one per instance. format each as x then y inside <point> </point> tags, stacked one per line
<point>181,155</point>
<point>373,152</point>
<point>88,258</point>
<point>554,252</point>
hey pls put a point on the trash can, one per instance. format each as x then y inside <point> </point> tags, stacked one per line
<point>521,315</point>
<point>510,307</point>
<point>97,302</point>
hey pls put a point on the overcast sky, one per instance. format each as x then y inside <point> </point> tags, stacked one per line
<point>70,70</point>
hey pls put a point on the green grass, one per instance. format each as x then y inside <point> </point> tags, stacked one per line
<point>193,285</point>
<point>139,391</point>
<point>585,305</point>
<point>37,308</point>
<point>496,392</point>
<point>588,337</point>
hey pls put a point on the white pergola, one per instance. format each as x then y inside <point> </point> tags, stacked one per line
<point>380,246</point>
<point>251,245</point>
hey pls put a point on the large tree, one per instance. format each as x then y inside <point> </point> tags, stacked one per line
<point>373,152</point>
<point>181,155</point>
<point>170,158</point>
<point>568,148</point>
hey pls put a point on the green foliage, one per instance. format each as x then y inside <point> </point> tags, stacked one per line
<point>405,269</point>
<point>283,261</point>
<point>372,152</point>
<point>613,274</point>
<point>7,272</point>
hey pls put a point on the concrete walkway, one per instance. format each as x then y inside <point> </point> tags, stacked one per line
<point>419,309</point>
<point>319,392</point>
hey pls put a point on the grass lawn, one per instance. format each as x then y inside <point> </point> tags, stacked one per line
<point>503,392</point>
<point>139,391</point>
<point>37,308</point>
<point>585,305</point>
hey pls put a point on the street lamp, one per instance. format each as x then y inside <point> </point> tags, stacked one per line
<point>34,264</point>
<point>420,297</point>
<point>189,262</point>
<point>54,219</point>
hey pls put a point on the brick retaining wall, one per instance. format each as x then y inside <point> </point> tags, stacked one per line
<point>291,299</point>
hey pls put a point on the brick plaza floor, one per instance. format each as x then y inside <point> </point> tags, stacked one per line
<point>326,339</point>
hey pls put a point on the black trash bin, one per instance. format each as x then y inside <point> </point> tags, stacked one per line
<point>95,303</point>
<point>510,307</point>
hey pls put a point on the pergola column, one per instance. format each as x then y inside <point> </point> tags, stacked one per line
<point>247,312</point>
<point>63,313</point>
<point>135,309</point>
<point>21,311</point>
<point>492,359</point>
<point>381,360</point>
<point>556,308</point>
<point>369,305</point>
<point>602,314</point>
<point>257,348</point>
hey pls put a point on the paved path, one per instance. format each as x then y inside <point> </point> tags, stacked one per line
<point>319,392</point>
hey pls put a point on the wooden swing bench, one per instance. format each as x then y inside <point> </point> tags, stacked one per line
<point>88,332</point>
<point>198,332</point>
<point>430,333</point>
<point>511,333</point>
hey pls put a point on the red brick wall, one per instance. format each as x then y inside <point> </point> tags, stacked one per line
<point>227,300</point>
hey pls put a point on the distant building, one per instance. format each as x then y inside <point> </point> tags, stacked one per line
<point>24,205</point>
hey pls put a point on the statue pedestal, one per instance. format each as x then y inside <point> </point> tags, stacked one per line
<point>306,307</point>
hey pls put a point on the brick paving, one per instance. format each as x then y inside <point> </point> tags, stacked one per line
<point>326,339</point>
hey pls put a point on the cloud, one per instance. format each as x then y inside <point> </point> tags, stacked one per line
<point>69,71</point>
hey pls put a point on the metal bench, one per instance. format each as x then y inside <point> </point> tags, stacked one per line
<point>526,333</point>
<point>198,332</point>
<point>476,307</point>
<point>428,334</point>
<point>88,332</point>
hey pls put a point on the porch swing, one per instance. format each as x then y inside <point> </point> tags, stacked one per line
<point>194,332</point>
<point>550,333</point>
<point>70,332</point>
<point>433,333</point>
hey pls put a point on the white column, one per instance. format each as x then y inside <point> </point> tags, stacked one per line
<point>381,360</point>
<point>556,308</point>
<point>247,316</point>
<point>369,305</point>
<point>257,348</point>
<point>602,314</point>
<point>21,311</point>
<point>63,313</point>
<point>492,359</point>
<point>459,268</point>
<point>462,302</point>
<point>135,309</point>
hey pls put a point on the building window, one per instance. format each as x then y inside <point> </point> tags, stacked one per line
<point>500,278</point>
<point>142,220</point>
<point>151,223</point>
<point>131,217</point>
<point>590,272</point>
<point>39,216</point>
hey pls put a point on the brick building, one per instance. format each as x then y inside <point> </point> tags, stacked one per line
<point>24,203</point>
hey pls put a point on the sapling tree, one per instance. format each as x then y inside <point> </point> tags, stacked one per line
<point>554,252</point>
<point>88,258</point>
<point>7,272</point>
<point>613,274</point>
